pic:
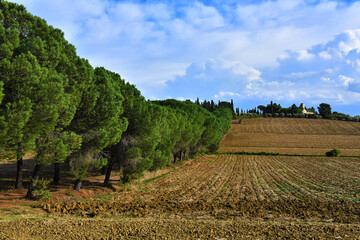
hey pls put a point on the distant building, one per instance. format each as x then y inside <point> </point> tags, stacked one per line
<point>303,110</point>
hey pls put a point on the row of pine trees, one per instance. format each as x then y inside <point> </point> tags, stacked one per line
<point>55,104</point>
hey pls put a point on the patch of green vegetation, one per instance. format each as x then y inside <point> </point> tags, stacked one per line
<point>333,153</point>
<point>154,178</point>
<point>19,212</point>
<point>69,193</point>
<point>327,164</point>
<point>139,200</point>
<point>145,189</point>
<point>41,190</point>
<point>314,185</point>
<point>30,205</point>
<point>106,197</point>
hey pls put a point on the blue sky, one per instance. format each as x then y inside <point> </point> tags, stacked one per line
<point>249,51</point>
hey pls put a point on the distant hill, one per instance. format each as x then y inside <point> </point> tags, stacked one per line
<point>293,136</point>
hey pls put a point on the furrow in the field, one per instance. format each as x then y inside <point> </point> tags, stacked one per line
<point>295,180</point>
<point>303,169</point>
<point>233,188</point>
<point>185,177</point>
<point>214,181</point>
<point>255,180</point>
<point>262,179</point>
<point>222,180</point>
<point>192,189</point>
<point>324,166</point>
<point>223,190</point>
<point>321,184</point>
<point>177,175</point>
<point>289,182</point>
<point>347,164</point>
<point>279,184</point>
<point>239,195</point>
<point>247,190</point>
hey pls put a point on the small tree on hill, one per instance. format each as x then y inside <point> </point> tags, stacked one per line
<point>324,110</point>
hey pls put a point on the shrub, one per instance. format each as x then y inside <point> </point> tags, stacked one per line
<point>41,190</point>
<point>333,153</point>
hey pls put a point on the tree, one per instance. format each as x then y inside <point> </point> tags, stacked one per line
<point>99,122</point>
<point>324,110</point>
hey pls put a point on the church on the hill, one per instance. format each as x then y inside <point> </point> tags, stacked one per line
<point>303,110</point>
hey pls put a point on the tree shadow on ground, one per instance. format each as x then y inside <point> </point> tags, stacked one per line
<point>93,181</point>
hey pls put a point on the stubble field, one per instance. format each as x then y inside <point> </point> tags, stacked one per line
<point>293,136</point>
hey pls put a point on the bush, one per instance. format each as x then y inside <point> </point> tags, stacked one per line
<point>41,190</point>
<point>333,153</point>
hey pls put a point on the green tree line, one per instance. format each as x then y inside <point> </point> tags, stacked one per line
<point>54,103</point>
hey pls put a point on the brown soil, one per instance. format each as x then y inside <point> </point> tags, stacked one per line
<point>213,197</point>
<point>240,188</point>
<point>172,229</point>
<point>293,136</point>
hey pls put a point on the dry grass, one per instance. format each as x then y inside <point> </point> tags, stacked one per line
<point>293,136</point>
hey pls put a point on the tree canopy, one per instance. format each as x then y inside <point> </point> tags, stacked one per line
<point>55,104</point>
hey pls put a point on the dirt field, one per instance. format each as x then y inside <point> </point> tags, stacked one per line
<point>172,229</point>
<point>240,188</point>
<point>213,197</point>
<point>225,196</point>
<point>293,136</point>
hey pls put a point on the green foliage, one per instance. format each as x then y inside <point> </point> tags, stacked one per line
<point>41,190</point>
<point>55,103</point>
<point>324,110</point>
<point>333,153</point>
<point>83,160</point>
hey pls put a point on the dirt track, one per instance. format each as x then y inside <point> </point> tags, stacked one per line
<point>172,229</point>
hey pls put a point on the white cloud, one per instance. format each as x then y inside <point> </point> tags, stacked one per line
<point>346,80</point>
<point>325,55</point>
<point>269,49</point>
<point>203,17</point>
<point>303,55</point>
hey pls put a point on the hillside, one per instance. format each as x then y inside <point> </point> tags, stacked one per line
<point>293,136</point>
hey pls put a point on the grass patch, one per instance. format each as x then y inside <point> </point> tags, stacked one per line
<point>30,205</point>
<point>106,197</point>
<point>154,178</point>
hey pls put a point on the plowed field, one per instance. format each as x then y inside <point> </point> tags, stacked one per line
<point>224,196</point>
<point>293,136</point>
<point>241,187</point>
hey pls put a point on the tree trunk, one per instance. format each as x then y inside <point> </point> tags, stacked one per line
<point>67,163</point>
<point>56,179</point>
<point>35,177</point>
<point>175,158</point>
<point>104,170</point>
<point>19,171</point>
<point>181,156</point>
<point>108,172</point>
<point>78,183</point>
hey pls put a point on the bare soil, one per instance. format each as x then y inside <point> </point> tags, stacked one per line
<point>212,197</point>
<point>172,229</point>
<point>293,136</point>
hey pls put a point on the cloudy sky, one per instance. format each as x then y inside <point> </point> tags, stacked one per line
<point>287,51</point>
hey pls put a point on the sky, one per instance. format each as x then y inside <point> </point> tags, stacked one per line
<point>254,52</point>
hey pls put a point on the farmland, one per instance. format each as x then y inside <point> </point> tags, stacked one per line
<point>240,187</point>
<point>223,195</point>
<point>293,136</point>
